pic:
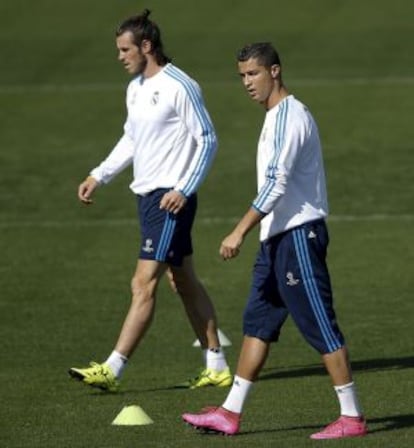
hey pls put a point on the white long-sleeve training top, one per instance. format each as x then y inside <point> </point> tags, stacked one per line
<point>168,135</point>
<point>290,172</point>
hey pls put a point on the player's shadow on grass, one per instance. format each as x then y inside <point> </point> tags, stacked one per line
<point>390,423</point>
<point>372,365</point>
<point>375,425</point>
<point>269,373</point>
<point>125,391</point>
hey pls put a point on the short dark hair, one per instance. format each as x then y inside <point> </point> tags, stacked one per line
<point>264,52</point>
<point>144,29</point>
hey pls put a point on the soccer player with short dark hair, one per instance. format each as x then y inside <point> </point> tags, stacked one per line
<point>290,274</point>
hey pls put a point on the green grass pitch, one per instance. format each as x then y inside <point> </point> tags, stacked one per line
<point>65,269</point>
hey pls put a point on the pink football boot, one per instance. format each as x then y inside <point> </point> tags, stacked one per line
<point>215,419</point>
<point>343,427</point>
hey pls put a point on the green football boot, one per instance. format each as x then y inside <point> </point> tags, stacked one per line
<point>209,377</point>
<point>97,375</point>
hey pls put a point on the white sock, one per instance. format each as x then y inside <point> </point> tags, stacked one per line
<point>237,395</point>
<point>215,359</point>
<point>117,363</point>
<point>348,400</point>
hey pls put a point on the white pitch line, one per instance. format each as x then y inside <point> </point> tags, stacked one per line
<point>200,221</point>
<point>374,217</point>
<point>18,89</point>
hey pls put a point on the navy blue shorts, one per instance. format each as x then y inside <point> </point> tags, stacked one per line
<point>165,237</point>
<point>290,276</point>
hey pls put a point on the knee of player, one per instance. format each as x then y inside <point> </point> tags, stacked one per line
<point>142,289</point>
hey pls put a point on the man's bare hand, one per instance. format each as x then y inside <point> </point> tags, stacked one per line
<point>230,247</point>
<point>173,201</point>
<point>86,188</point>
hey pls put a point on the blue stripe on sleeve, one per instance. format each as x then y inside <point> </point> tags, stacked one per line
<point>279,139</point>
<point>207,152</point>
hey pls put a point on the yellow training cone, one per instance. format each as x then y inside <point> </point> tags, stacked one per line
<point>132,415</point>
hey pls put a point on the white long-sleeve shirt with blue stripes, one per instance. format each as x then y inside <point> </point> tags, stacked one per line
<point>290,172</point>
<point>168,135</point>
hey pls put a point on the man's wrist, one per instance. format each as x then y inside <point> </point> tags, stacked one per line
<point>89,178</point>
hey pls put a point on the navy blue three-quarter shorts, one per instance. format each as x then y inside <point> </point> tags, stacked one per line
<point>165,237</point>
<point>290,276</point>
